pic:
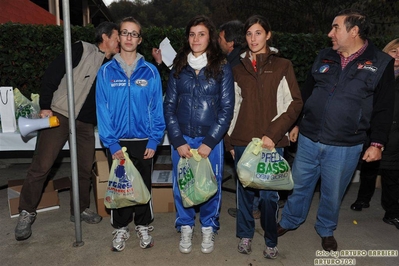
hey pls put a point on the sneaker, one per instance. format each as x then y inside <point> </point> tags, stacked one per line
<point>244,246</point>
<point>146,241</point>
<point>23,229</point>
<point>88,216</point>
<point>208,239</point>
<point>270,253</point>
<point>186,235</point>
<point>120,237</point>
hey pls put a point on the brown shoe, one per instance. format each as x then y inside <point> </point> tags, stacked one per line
<point>256,214</point>
<point>329,243</point>
<point>281,231</point>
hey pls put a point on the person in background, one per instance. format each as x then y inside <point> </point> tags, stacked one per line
<point>87,58</point>
<point>389,165</point>
<point>231,41</point>
<point>157,55</point>
<point>348,94</point>
<point>389,161</point>
<point>271,104</point>
<point>198,108</point>
<point>368,177</point>
<point>130,114</point>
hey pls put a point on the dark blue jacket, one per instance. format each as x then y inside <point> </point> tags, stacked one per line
<point>342,104</point>
<point>196,106</point>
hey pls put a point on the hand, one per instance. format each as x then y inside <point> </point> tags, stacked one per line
<point>372,154</point>
<point>294,134</point>
<point>45,113</point>
<point>118,155</point>
<point>184,151</point>
<point>149,153</point>
<point>268,143</point>
<point>156,53</point>
<point>204,151</point>
<point>233,154</point>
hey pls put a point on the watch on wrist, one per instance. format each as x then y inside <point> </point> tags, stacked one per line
<point>377,145</point>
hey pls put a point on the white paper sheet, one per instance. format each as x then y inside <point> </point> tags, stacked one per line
<point>168,53</point>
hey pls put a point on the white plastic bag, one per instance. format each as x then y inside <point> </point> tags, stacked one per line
<point>126,186</point>
<point>264,169</point>
<point>196,180</point>
<point>7,110</point>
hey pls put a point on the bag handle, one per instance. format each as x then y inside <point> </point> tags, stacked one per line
<point>257,142</point>
<point>196,156</point>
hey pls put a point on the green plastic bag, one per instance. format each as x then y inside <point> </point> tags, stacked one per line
<point>264,169</point>
<point>196,180</point>
<point>125,185</point>
<point>23,106</point>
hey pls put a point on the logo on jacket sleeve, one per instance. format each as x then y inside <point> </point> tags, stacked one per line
<point>141,82</point>
<point>324,68</point>
<point>368,65</point>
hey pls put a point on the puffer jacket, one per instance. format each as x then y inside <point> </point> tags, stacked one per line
<point>197,106</point>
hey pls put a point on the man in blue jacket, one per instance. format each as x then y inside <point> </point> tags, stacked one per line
<point>349,91</point>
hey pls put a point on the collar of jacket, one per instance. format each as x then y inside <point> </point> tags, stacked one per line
<point>261,59</point>
<point>368,54</point>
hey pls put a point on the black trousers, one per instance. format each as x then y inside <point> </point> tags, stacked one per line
<point>368,176</point>
<point>141,214</point>
<point>390,192</point>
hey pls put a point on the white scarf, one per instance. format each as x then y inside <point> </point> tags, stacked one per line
<point>197,62</point>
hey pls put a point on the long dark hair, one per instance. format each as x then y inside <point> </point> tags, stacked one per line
<point>213,52</point>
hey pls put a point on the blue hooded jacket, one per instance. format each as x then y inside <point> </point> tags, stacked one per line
<point>129,108</point>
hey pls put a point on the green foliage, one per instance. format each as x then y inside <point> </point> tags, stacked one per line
<point>290,16</point>
<point>27,50</point>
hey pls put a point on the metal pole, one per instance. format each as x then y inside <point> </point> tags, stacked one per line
<point>72,126</point>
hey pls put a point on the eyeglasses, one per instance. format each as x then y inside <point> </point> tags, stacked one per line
<point>133,34</point>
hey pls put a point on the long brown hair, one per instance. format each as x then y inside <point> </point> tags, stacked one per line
<point>213,52</point>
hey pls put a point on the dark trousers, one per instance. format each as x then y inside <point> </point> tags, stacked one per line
<point>245,222</point>
<point>49,143</point>
<point>390,193</point>
<point>368,176</point>
<point>143,214</point>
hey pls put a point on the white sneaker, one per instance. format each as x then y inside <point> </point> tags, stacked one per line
<point>146,241</point>
<point>270,253</point>
<point>208,239</point>
<point>244,246</point>
<point>186,235</point>
<point>120,237</point>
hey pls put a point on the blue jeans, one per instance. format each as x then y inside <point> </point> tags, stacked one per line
<point>335,166</point>
<point>268,201</point>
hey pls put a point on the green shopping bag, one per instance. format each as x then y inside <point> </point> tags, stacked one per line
<point>196,180</point>
<point>264,169</point>
<point>125,185</point>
